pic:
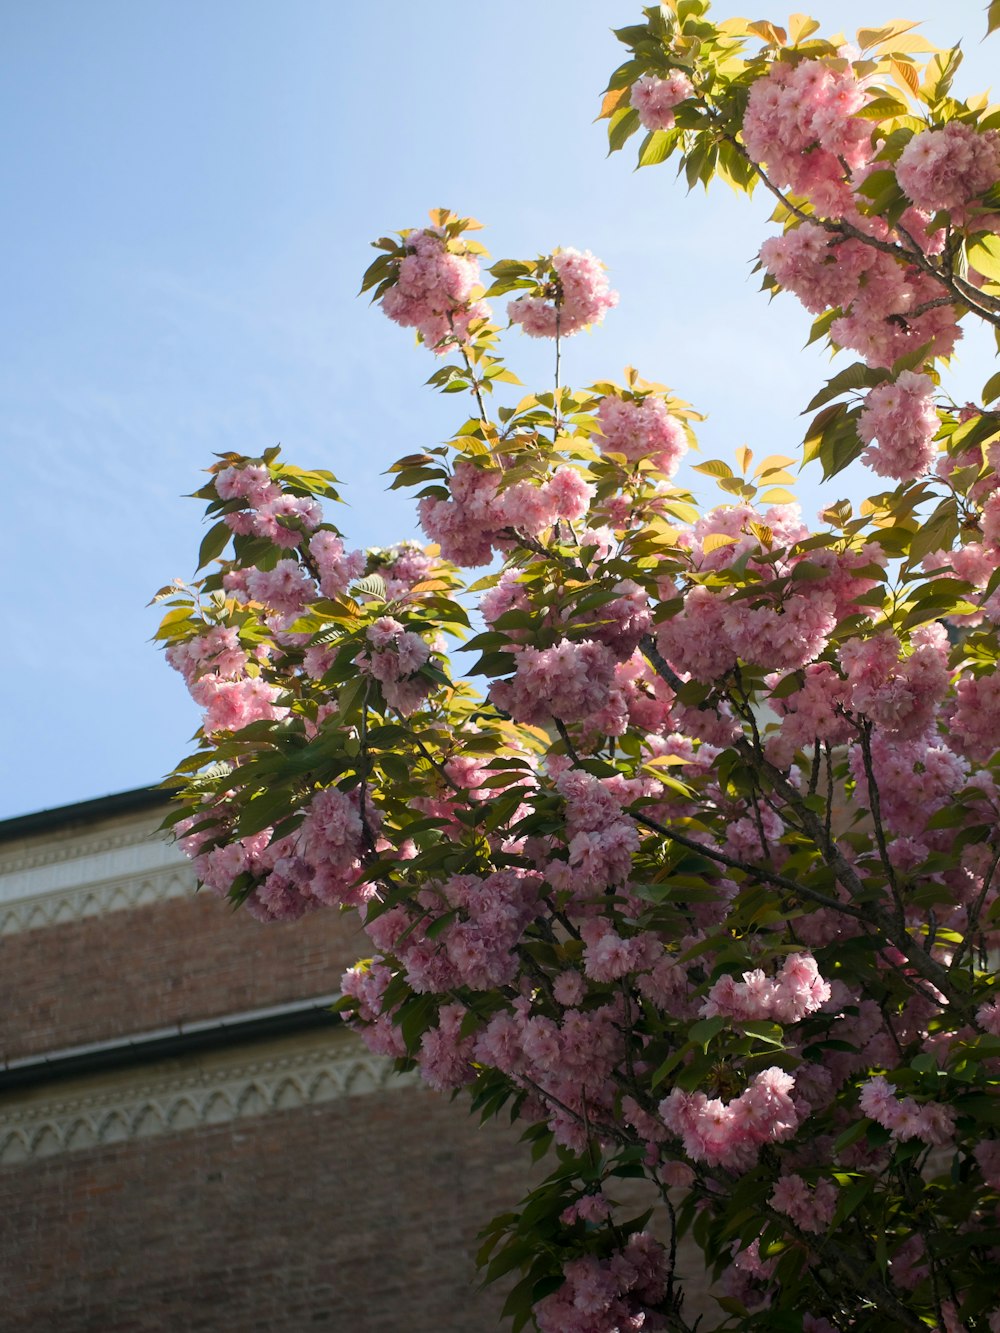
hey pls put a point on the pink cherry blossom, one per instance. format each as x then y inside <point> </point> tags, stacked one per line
<point>655,98</point>
<point>583,298</point>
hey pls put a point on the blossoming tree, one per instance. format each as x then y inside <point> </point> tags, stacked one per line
<point>692,869</point>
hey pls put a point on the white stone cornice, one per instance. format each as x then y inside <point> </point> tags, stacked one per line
<point>96,898</point>
<point>87,862</point>
<point>87,871</point>
<point>191,1093</point>
<point>66,845</point>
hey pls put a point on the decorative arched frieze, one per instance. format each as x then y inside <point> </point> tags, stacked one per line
<point>191,1094</point>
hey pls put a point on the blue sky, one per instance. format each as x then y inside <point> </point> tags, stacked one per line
<point>191,192</point>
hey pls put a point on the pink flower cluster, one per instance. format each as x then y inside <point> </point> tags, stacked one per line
<point>810,1209</point>
<point>902,417</point>
<point>581,297</point>
<point>904,1117</point>
<point>337,568</point>
<point>404,567</point>
<point>219,651</point>
<point>694,640</point>
<point>950,167</point>
<point>711,631</point>
<point>900,694</point>
<point>367,983</point>
<point>285,589</point>
<point>909,1264</point>
<point>319,863</point>
<point>434,289</point>
<point>251,483</point>
<point>594,1208</point>
<point>988,1017</point>
<point>814,712</point>
<point>612,1295</point>
<point>623,621</point>
<point>569,681</point>
<point>642,429</point>
<point>607,955</point>
<point>800,121</point>
<point>270,513</point>
<point>395,658</point>
<point>655,98</point>
<point>915,779</point>
<point>232,704</point>
<point>975,719</point>
<point>480,517</point>
<point>329,843</point>
<point>731,1133</point>
<point>755,838</point>
<point>991,520</point>
<point>821,275</point>
<point>477,948</point>
<point>877,293</point>
<point>737,522</point>
<point>643,696</point>
<point>602,845</point>
<point>573,1059</point>
<point>797,990</point>
<point>445,1057</point>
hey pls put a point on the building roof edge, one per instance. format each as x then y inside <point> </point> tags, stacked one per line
<point>84,812</point>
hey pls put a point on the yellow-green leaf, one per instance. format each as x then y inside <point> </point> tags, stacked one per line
<point>984,256</point>
<point>768,32</point>
<point>801,26</point>
<point>868,37</point>
<point>715,467</point>
<point>656,147</point>
<point>715,540</point>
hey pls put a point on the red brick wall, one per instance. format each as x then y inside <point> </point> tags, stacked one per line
<point>358,1215</point>
<point>155,966</point>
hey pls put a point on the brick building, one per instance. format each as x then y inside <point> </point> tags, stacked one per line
<point>188,1140</point>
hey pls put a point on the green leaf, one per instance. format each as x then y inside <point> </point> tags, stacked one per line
<point>715,468</point>
<point>850,1199</point>
<point>821,325</point>
<point>349,699</point>
<point>622,125</point>
<point>790,685</point>
<point>263,811</point>
<point>877,182</point>
<point>669,1064</point>
<point>984,256</point>
<point>439,926</point>
<point>732,1306</point>
<point>833,439</point>
<point>656,147</point>
<point>940,71</point>
<point>881,108</point>
<point>213,543</point>
<point>980,1106</point>
<point>769,1033</point>
<point>372,586</point>
<point>706,1030</point>
<point>856,376</point>
<point>938,533</point>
